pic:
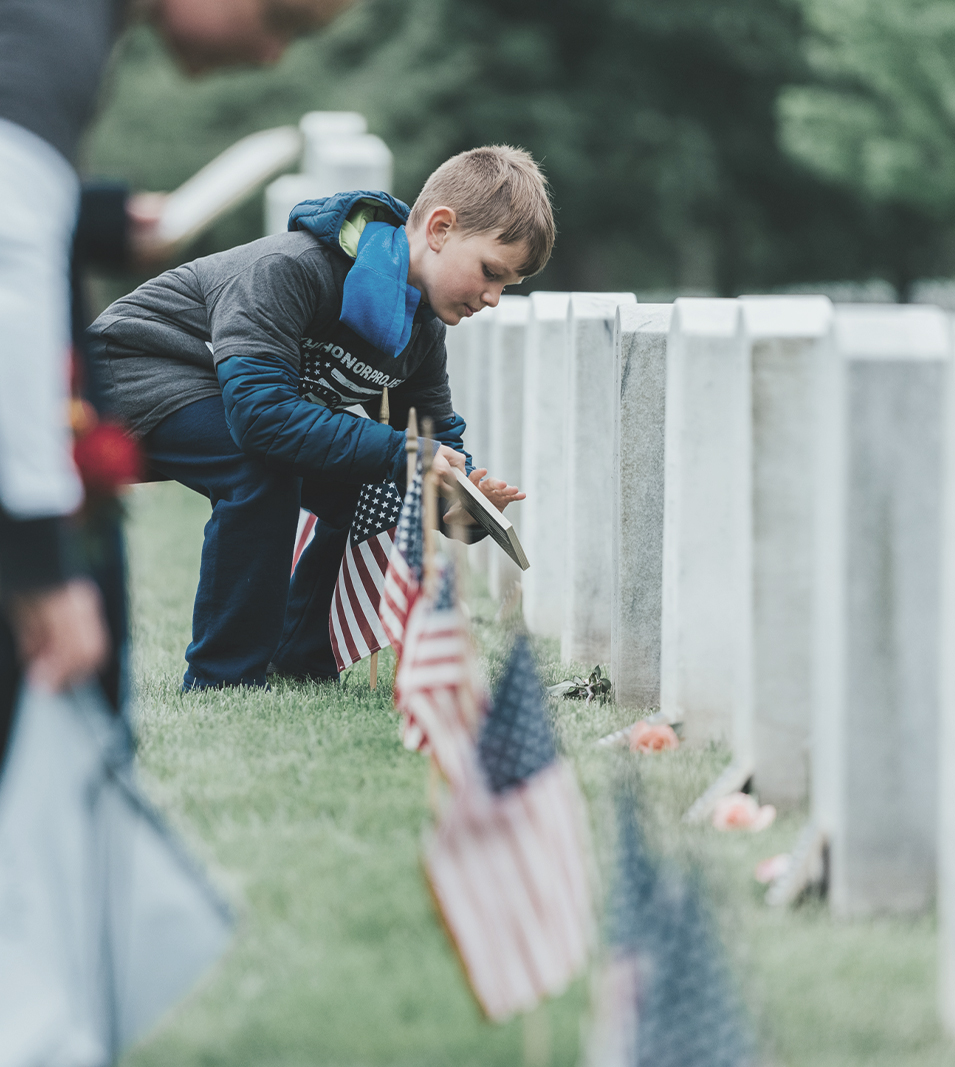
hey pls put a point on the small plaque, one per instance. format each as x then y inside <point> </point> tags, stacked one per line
<point>480,508</point>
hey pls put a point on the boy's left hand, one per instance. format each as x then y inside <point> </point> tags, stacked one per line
<point>498,492</point>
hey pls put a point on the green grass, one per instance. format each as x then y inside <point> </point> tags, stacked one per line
<point>308,813</point>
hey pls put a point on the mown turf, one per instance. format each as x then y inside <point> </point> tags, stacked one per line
<point>309,814</point>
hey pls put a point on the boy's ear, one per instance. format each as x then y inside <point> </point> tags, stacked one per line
<point>438,225</point>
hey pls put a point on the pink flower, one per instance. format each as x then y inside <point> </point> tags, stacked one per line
<point>773,869</point>
<point>652,737</point>
<point>740,811</point>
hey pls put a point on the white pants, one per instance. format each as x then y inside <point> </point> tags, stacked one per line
<point>39,197</point>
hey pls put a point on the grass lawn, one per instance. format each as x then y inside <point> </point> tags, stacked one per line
<point>308,812</point>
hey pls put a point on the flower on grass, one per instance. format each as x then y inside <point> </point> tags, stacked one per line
<point>772,869</point>
<point>652,737</point>
<point>740,811</point>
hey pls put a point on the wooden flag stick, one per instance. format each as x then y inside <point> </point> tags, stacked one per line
<point>429,511</point>
<point>411,446</point>
<point>384,414</point>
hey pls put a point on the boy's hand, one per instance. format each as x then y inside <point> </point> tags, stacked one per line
<point>498,492</point>
<point>444,462</point>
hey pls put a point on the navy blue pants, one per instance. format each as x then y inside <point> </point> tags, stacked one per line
<point>247,614</point>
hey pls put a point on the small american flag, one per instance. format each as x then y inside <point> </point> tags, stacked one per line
<point>353,623</point>
<point>666,996</point>
<point>509,861</point>
<point>436,688</point>
<point>403,576</point>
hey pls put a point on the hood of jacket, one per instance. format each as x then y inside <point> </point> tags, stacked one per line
<point>328,218</point>
<point>377,301</point>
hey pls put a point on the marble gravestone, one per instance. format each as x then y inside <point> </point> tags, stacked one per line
<point>881,412</point>
<point>544,514</point>
<point>478,418</point>
<point>640,353</point>
<point>705,536</point>
<point>784,337</point>
<point>505,418</point>
<point>458,348</point>
<point>354,161</point>
<point>283,194</point>
<point>319,127</point>
<point>588,482</point>
<point>946,762</point>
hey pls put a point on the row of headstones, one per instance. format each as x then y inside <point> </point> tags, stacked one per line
<point>338,153</point>
<point>748,507</point>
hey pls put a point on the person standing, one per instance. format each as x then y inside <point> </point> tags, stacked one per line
<point>52,56</point>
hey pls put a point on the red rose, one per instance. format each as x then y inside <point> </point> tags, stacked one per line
<point>107,457</point>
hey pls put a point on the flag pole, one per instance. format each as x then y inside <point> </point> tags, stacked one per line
<point>429,512</point>
<point>384,414</point>
<point>411,445</point>
<point>411,451</point>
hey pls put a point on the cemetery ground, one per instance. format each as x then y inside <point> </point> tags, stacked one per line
<point>308,813</point>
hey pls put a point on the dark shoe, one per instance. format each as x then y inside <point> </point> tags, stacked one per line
<point>275,673</point>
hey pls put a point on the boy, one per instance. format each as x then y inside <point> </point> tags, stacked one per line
<point>236,370</point>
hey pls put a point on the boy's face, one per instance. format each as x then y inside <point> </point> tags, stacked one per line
<point>460,274</point>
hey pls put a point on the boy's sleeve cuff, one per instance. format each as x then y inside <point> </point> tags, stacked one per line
<point>36,554</point>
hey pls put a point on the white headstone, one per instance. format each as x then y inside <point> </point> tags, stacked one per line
<point>283,194</point>
<point>784,338</point>
<point>588,482</point>
<point>544,514</point>
<point>881,405</point>
<point>640,354</point>
<point>946,764</point>
<point>458,346</point>
<point>705,539</point>
<point>320,126</point>
<point>358,161</point>
<point>506,413</point>
<point>477,416</point>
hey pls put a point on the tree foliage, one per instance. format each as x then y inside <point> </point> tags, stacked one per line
<point>656,124</point>
<point>880,120</point>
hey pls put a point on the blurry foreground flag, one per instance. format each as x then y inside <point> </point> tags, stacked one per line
<point>105,922</point>
<point>664,998</point>
<point>403,576</point>
<point>509,861</point>
<point>436,689</point>
<point>353,623</point>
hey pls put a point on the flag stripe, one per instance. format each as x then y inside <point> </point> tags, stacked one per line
<point>354,595</point>
<point>346,623</point>
<point>303,535</point>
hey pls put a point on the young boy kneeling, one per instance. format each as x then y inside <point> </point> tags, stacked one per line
<point>236,370</point>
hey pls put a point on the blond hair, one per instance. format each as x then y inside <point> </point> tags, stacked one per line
<point>496,189</point>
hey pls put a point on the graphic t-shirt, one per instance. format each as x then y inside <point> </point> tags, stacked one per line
<point>276,298</point>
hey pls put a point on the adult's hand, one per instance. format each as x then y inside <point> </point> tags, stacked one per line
<point>144,212</point>
<point>61,636</point>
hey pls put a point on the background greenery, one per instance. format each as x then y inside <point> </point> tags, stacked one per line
<point>309,812</point>
<point>724,145</point>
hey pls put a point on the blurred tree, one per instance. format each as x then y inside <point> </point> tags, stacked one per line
<point>656,124</point>
<point>879,118</point>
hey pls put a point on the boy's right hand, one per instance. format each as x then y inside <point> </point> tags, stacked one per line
<point>444,463</point>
